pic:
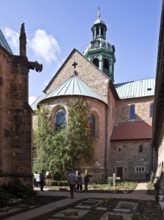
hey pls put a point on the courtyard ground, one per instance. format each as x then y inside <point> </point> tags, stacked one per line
<point>51,205</point>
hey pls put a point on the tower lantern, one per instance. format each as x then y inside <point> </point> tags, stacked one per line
<point>100,51</point>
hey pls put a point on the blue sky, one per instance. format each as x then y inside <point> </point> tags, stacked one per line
<point>55,27</point>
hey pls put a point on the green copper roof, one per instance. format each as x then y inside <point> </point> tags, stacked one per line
<point>35,103</point>
<point>136,89</point>
<point>98,21</point>
<point>73,86</point>
<point>4,43</point>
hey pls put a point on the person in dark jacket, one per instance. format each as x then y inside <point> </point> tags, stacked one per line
<point>42,180</point>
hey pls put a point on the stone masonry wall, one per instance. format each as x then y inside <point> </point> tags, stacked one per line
<point>126,154</point>
<point>142,107</point>
<point>15,120</point>
<point>89,73</point>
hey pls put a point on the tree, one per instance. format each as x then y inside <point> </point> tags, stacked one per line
<point>60,150</point>
<point>79,138</point>
<point>43,139</point>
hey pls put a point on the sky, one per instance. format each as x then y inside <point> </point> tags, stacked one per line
<point>55,27</point>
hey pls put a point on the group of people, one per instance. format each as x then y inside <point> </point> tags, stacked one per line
<point>42,178</point>
<point>75,182</point>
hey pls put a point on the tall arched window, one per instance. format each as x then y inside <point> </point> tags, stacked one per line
<point>94,126</point>
<point>96,62</point>
<point>105,65</point>
<point>132,114</point>
<point>60,119</point>
<point>151,111</point>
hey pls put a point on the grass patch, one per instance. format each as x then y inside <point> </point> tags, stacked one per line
<point>120,185</point>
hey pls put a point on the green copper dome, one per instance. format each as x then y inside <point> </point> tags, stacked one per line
<point>98,21</point>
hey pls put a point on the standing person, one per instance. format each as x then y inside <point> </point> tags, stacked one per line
<point>34,179</point>
<point>48,178</point>
<point>42,180</point>
<point>37,179</point>
<point>147,175</point>
<point>71,180</point>
<point>79,181</point>
<point>86,181</point>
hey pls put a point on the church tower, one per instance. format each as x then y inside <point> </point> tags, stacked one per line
<point>100,51</point>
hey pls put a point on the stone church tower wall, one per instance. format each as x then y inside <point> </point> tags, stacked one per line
<point>15,115</point>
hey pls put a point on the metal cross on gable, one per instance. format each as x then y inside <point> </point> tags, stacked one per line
<point>74,64</point>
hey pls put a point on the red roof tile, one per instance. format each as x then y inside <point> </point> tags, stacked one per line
<point>131,131</point>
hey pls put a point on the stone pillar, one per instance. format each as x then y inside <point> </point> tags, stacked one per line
<point>101,62</point>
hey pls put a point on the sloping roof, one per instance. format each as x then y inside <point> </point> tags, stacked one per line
<point>136,89</point>
<point>73,86</point>
<point>4,43</point>
<point>35,103</point>
<point>131,131</point>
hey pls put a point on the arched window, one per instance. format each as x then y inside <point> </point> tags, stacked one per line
<point>132,114</point>
<point>97,31</point>
<point>102,32</point>
<point>151,111</point>
<point>105,65</point>
<point>60,119</point>
<point>140,149</point>
<point>94,127</point>
<point>96,62</point>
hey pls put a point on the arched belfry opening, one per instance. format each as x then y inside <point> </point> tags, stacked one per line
<point>105,66</point>
<point>96,62</point>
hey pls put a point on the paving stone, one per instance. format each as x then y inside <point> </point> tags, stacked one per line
<point>124,206</point>
<point>71,213</point>
<point>116,216</point>
<point>101,208</point>
<point>89,203</point>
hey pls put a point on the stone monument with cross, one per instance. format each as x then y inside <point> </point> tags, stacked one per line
<point>113,178</point>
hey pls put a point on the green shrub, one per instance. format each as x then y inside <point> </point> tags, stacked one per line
<point>59,183</point>
<point>16,189</point>
<point>4,197</point>
<point>102,181</point>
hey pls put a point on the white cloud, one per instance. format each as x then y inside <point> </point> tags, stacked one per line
<point>31,99</point>
<point>44,46</point>
<point>12,38</point>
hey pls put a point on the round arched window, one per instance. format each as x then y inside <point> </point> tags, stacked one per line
<point>96,62</point>
<point>60,119</point>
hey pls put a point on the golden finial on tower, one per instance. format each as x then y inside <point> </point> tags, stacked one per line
<point>99,12</point>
